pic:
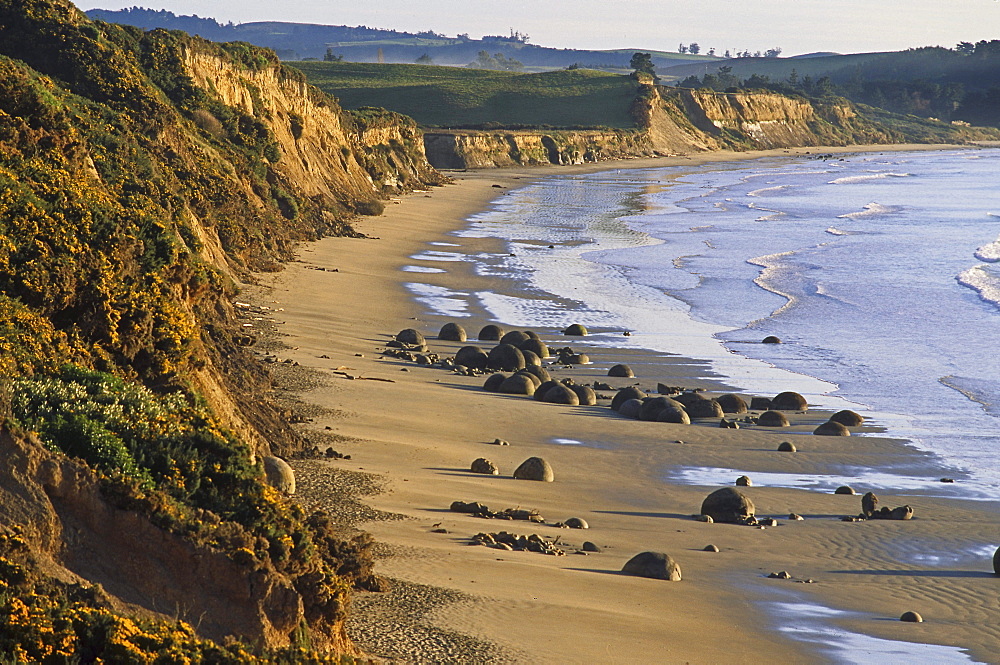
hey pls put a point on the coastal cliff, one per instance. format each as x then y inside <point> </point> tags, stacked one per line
<point>144,175</point>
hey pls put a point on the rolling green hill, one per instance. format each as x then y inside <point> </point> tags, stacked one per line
<point>462,97</point>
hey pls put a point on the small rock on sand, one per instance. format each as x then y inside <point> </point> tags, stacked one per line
<point>783,575</point>
<point>744,481</point>
<point>590,547</point>
<point>911,617</point>
<point>844,489</point>
<point>577,523</point>
<point>484,466</point>
<point>832,428</point>
<point>621,371</point>
<point>500,442</point>
<point>786,447</point>
<point>710,548</point>
<point>577,330</point>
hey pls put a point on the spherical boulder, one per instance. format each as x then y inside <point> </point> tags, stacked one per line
<point>744,481</point>
<point>577,523</point>
<point>574,359</point>
<point>531,359</point>
<point>534,468</point>
<point>484,466</point>
<point>848,418</point>
<point>539,371</point>
<point>728,505</point>
<point>534,379</point>
<point>590,547</point>
<point>514,337</point>
<point>771,339</point>
<point>518,384</point>
<point>789,401</point>
<point>787,447</point>
<point>585,394</point>
<point>536,346</point>
<point>490,333</point>
<point>911,617</point>
<point>831,428</point>
<point>279,474</point>
<point>651,407</point>
<point>674,414</point>
<point>630,408</point>
<point>410,336</point>
<point>561,394</point>
<point>772,419</point>
<point>506,357</point>
<point>472,357</point>
<point>844,489</point>
<point>452,332</point>
<point>996,562</point>
<point>494,381</point>
<point>576,330</point>
<point>760,403</point>
<point>542,389</point>
<point>731,403</point>
<point>655,565</point>
<point>627,393</point>
<point>705,407</point>
<point>621,371</point>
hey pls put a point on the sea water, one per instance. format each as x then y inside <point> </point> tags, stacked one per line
<point>880,272</point>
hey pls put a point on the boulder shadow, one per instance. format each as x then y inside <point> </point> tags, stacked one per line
<point>628,513</point>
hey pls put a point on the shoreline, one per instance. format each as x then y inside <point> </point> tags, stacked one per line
<point>422,431</point>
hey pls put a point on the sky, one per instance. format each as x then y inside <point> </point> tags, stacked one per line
<point>795,26</point>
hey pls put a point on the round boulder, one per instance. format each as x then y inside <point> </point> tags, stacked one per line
<point>655,565</point>
<point>732,403</point>
<point>585,394</point>
<point>531,359</point>
<point>514,337</point>
<point>574,359</point>
<point>411,337</point>
<point>869,502</point>
<point>536,346</point>
<point>787,447</point>
<point>590,547</point>
<point>996,562</point>
<point>472,357</point>
<point>542,389</point>
<point>831,428</point>
<point>674,414</point>
<point>279,474</point>
<point>789,401</point>
<point>577,523</point>
<point>760,403</point>
<point>911,617</point>
<point>772,419</point>
<point>844,489</point>
<point>627,393</point>
<point>621,371</point>
<point>631,408</point>
<point>744,481</point>
<point>539,371</point>
<point>518,384</point>
<point>848,418</point>
<point>534,379</point>
<point>771,339</point>
<point>575,330</point>
<point>452,332</point>
<point>484,466</point>
<point>728,505</point>
<point>490,333</point>
<point>534,468</point>
<point>494,381</point>
<point>506,357</point>
<point>652,406</point>
<point>561,394</point>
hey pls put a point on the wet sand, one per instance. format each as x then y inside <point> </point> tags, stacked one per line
<point>420,430</point>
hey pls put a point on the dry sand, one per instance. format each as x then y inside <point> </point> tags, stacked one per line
<point>421,431</point>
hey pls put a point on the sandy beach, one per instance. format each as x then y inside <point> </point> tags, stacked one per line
<point>418,429</point>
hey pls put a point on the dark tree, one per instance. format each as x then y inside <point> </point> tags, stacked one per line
<point>642,64</point>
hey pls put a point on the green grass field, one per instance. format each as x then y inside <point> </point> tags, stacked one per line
<point>457,97</point>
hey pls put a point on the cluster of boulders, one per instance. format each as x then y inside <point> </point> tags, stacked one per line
<point>513,542</point>
<point>871,511</point>
<point>481,510</point>
<point>533,468</point>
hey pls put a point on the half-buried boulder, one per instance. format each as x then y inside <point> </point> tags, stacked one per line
<point>534,468</point>
<point>531,359</point>
<point>490,333</point>
<point>518,384</point>
<point>411,337</point>
<point>575,330</point>
<point>494,381</point>
<point>484,466</point>
<point>506,357</point>
<point>536,346</point>
<point>539,371</point>
<point>542,389</point>
<point>700,405</point>
<point>674,414</point>
<point>472,357</point>
<point>630,408</point>
<point>585,394</point>
<point>534,379</point>
<point>561,394</point>
<point>279,474</point>
<point>728,505</point>
<point>627,393</point>
<point>789,401</point>
<point>772,419</point>
<point>452,332</point>
<point>621,371</point>
<point>996,562</point>
<point>771,339</point>
<point>651,407</point>
<point>760,403</point>
<point>848,418</point>
<point>731,403</point>
<point>787,447</point>
<point>831,428</point>
<point>514,337</point>
<point>655,565</point>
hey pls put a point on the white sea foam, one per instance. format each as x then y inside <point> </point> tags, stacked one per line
<point>989,253</point>
<point>444,244</point>
<point>871,210</point>
<point>837,232</point>
<point>764,191</point>
<point>984,282</point>
<point>855,179</point>
<point>440,300</point>
<point>434,255</point>
<point>426,269</point>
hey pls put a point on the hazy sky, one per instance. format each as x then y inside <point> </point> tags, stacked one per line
<point>796,26</point>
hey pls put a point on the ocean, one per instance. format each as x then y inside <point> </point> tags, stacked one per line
<point>880,272</point>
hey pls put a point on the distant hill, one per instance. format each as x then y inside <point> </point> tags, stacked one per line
<point>297,41</point>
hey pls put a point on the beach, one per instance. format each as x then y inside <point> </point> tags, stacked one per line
<point>417,429</point>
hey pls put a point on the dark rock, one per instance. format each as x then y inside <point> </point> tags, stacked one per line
<point>710,548</point>
<point>655,565</point>
<point>500,442</point>
<point>783,575</point>
<point>869,502</point>
<point>760,404</point>
<point>621,371</point>
<point>911,617</point>
<point>795,517</point>
<point>664,389</point>
<point>515,338</point>
<point>831,428</point>
<point>728,424</point>
<point>651,407</point>
<point>600,385</point>
<point>728,505</point>
<point>494,381</point>
<point>577,523</point>
<point>771,339</point>
<point>472,507</point>
<point>844,489</point>
<point>996,562</point>
<point>789,401</point>
<point>484,466</point>
<point>786,447</point>
<point>901,513</point>
<point>544,388</point>
<point>534,468</point>
<point>506,357</point>
<point>627,393</point>
<point>490,333</point>
<point>590,547</point>
<point>673,414</point>
<point>518,384</point>
<point>848,418</point>
<point>452,332</point>
<point>532,377</point>
<point>576,330</point>
<point>772,419</point>
<point>574,359</point>
<point>585,394</point>
<point>539,371</point>
<point>411,337</point>
<point>732,404</point>
<point>472,357</point>
<point>531,359</point>
<point>630,409</point>
<point>561,394</point>
<point>537,346</point>
<point>744,481</point>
